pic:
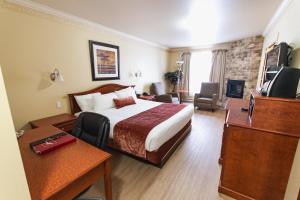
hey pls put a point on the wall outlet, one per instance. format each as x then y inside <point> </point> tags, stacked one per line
<point>58,105</point>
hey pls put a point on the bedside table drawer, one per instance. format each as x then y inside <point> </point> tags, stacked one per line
<point>68,127</point>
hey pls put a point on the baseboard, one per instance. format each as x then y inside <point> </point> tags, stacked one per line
<point>233,194</point>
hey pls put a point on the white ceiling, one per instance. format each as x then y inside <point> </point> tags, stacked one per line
<point>176,23</point>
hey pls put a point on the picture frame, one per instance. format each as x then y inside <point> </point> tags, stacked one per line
<point>105,61</point>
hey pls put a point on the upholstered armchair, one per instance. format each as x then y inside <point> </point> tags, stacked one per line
<point>208,96</point>
<point>159,91</point>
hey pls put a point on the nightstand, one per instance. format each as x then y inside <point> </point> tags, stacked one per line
<point>149,97</point>
<point>64,122</point>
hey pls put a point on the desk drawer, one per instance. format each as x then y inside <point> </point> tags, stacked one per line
<point>68,127</point>
<point>80,184</point>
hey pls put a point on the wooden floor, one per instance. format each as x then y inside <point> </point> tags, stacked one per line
<point>191,173</point>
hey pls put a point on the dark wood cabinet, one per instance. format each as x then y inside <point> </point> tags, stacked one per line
<point>258,152</point>
<point>277,56</point>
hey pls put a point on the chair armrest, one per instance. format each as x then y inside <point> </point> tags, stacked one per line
<point>215,98</point>
<point>166,98</point>
<point>197,95</point>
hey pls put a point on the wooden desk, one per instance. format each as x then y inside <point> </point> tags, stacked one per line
<point>65,172</point>
<point>64,122</point>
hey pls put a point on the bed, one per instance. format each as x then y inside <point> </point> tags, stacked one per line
<point>161,141</point>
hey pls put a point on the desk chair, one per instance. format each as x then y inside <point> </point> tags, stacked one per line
<point>92,128</point>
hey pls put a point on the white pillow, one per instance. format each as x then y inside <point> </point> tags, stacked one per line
<point>104,101</point>
<point>127,92</point>
<point>86,102</point>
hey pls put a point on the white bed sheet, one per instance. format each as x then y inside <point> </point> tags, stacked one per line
<point>160,133</point>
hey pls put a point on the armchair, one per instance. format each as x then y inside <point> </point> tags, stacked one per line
<point>158,90</point>
<point>208,96</point>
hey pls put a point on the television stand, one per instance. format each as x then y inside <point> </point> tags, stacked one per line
<point>258,151</point>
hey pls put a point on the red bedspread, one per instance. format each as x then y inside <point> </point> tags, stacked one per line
<point>130,134</point>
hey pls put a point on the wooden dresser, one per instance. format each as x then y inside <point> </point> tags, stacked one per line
<point>258,152</point>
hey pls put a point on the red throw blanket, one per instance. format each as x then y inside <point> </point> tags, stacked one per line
<point>130,134</point>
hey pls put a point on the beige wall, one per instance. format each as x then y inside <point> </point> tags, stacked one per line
<point>32,44</point>
<point>13,183</point>
<point>172,58</point>
<point>287,26</point>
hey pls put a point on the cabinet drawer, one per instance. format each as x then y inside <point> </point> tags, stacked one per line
<point>68,127</point>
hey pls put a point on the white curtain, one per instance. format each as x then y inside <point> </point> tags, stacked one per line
<point>186,58</point>
<point>218,69</point>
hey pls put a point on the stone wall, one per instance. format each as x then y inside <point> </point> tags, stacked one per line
<point>242,62</point>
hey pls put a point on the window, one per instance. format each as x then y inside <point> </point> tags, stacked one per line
<point>199,70</point>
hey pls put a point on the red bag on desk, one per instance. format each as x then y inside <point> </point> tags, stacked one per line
<point>51,143</point>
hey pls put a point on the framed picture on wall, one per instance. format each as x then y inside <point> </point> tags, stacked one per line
<point>105,61</point>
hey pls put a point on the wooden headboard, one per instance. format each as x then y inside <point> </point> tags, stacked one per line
<point>103,89</point>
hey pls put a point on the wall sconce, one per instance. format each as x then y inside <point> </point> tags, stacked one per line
<point>137,74</point>
<point>179,62</point>
<point>56,75</point>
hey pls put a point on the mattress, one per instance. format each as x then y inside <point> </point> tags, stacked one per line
<point>161,133</point>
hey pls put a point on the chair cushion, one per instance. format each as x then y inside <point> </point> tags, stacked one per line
<point>204,100</point>
<point>165,98</point>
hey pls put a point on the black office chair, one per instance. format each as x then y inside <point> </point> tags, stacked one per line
<point>92,128</point>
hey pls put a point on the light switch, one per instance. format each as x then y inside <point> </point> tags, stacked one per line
<point>58,105</point>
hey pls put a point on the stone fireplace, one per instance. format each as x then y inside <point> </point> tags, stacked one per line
<point>242,63</point>
<point>235,88</point>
